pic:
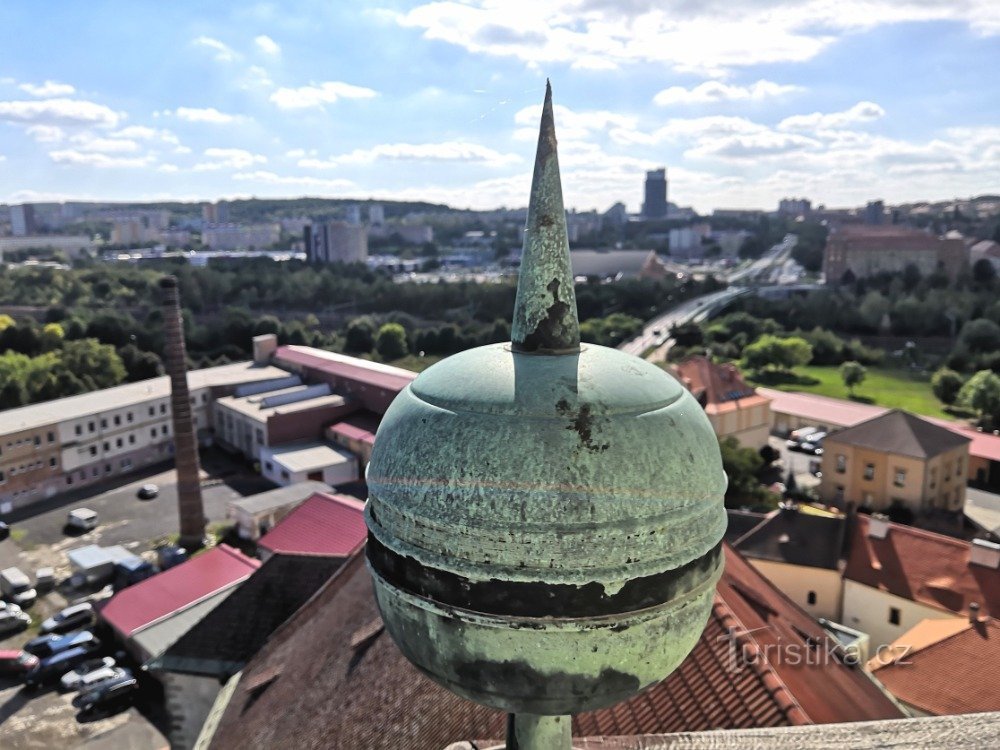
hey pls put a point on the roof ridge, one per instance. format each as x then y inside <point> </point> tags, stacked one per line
<point>932,536</point>
<point>757,660</point>
<point>991,622</point>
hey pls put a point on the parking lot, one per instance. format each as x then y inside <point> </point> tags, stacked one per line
<point>39,539</point>
<point>799,463</point>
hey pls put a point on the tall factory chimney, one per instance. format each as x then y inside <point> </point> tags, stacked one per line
<point>192,512</point>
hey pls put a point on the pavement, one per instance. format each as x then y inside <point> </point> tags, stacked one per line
<point>799,463</point>
<point>983,509</point>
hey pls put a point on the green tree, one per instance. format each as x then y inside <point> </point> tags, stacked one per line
<point>391,342</point>
<point>981,335</point>
<point>13,394</point>
<point>360,335</point>
<point>778,353</point>
<point>852,373</point>
<point>5,321</point>
<point>982,393</point>
<point>88,358</point>
<point>946,384</point>
<point>742,467</point>
<point>52,336</point>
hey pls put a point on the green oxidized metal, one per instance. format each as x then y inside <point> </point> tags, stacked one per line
<point>545,520</point>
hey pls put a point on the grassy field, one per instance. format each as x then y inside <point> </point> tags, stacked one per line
<point>895,389</point>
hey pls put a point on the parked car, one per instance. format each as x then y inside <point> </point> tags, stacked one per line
<point>13,622</point>
<point>82,519</point>
<point>4,531</point>
<point>17,662</point>
<point>71,679</point>
<point>70,618</point>
<point>45,579</point>
<point>47,645</point>
<point>148,491</point>
<point>53,667</point>
<point>93,678</point>
<point>16,587</point>
<point>107,696</point>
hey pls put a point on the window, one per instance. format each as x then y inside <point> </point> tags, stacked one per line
<point>284,474</point>
<point>204,398</point>
<point>152,411</point>
<point>260,435</point>
<point>869,472</point>
<point>958,468</point>
<point>166,429</point>
<point>51,437</point>
<point>894,615</point>
<point>104,424</point>
<point>933,478</point>
<point>131,439</point>
<point>52,461</point>
<point>126,463</point>
<point>79,429</point>
<point>811,597</point>
<point>900,479</point>
<point>94,472</point>
<point>107,468</point>
<point>69,480</point>
<point>841,463</point>
<point>152,432</point>
<point>129,416</point>
<point>839,496</point>
<point>163,408</point>
<point>93,450</point>
<point>119,443</point>
<point>107,445</point>
<point>268,466</point>
<point>38,440</point>
<point>118,420</point>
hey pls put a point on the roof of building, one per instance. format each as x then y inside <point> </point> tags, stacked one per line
<point>265,502</point>
<point>984,444</point>
<point>833,412</point>
<point>315,683</point>
<point>258,406</point>
<point>152,641</point>
<point>86,404</point>
<point>608,262</point>
<point>92,555</point>
<point>233,631</point>
<point>313,456</point>
<point>360,370</point>
<point>173,590</point>
<point>921,566</point>
<point>788,536</point>
<point>740,522</point>
<point>983,509</point>
<point>949,667</point>
<point>324,524</point>
<point>361,427</point>
<point>900,433</point>
<point>717,387</point>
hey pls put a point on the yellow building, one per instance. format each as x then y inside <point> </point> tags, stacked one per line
<point>896,459</point>
<point>734,408</point>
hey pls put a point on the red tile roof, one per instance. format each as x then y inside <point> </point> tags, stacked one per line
<point>171,591</point>
<point>953,675</point>
<point>360,427</point>
<point>717,387</point>
<point>923,567</point>
<point>322,525</point>
<point>350,368</point>
<point>984,444</point>
<point>327,692</point>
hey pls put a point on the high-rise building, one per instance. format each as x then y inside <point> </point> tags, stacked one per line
<point>353,214</point>
<point>376,214</point>
<point>794,207</point>
<point>336,242</point>
<point>215,213</point>
<point>655,204</point>
<point>874,213</point>
<point>22,220</point>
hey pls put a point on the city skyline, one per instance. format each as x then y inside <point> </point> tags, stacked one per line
<point>438,101</point>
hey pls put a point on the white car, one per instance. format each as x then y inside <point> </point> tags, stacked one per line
<point>9,607</point>
<point>82,519</point>
<point>74,680</point>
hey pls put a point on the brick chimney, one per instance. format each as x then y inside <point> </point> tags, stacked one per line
<point>973,613</point>
<point>192,512</point>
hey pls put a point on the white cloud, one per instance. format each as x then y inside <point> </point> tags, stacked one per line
<point>450,151</point>
<point>270,178</point>
<point>267,45</point>
<point>295,153</point>
<point>860,113</point>
<point>229,158</point>
<point>99,160</point>
<point>318,94</point>
<point>570,124</point>
<point>708,36</point>
<point>168,168</point>
<point>223,52</point>
<point>48,89</point>
<point>711,92</point>
<point>145,133</point>
<point>91,143</point>
<point>46,133</point>
<point>66,112</point>
<point>204,114</point>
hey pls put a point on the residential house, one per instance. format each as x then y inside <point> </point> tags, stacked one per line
<point>896,460</point>
<point>896,576</point>
<point>799,552</point>
<point>257,514</point>
<point>942,667</point>
<point>733,407</point>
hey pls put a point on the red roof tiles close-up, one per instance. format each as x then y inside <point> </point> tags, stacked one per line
<point>323,525</point>
<point>149,601</point>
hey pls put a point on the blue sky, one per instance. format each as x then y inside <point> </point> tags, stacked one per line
<point>745,101</point>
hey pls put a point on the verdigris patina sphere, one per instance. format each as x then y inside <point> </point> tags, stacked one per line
<point>545,517</point>
<point>545,530</point>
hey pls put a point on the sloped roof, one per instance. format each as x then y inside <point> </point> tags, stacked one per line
<point>955,674</point>
<point>324,524</point>
<point>171,591</point>
<point>716,386</point>
<point>228,636</point>
<point>323,677</point>
<point>900,433</point>
<point>361,426</point>
<point>921,566</point>
<point>351,368</point>
<point>740,522</point>
<point>264,502</point>
<point>796,538</point>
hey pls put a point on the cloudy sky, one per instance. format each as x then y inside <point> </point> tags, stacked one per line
<point>745,101</point>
